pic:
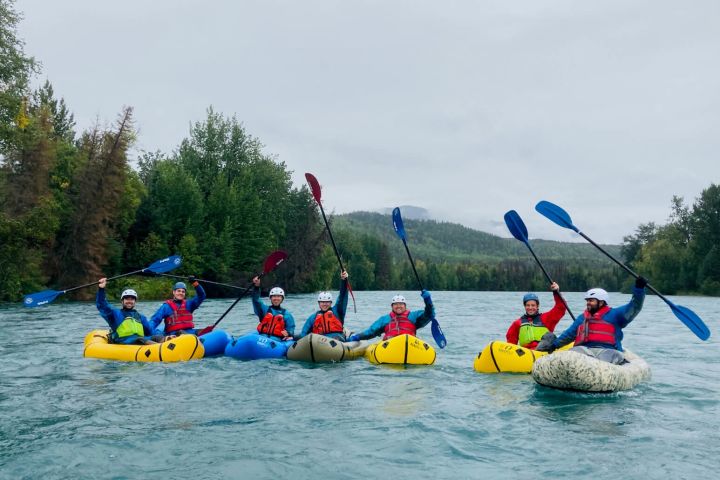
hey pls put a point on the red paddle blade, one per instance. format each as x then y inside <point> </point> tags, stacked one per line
<point>353,297</point>
<point>273,260</point>
<point>314,186</point>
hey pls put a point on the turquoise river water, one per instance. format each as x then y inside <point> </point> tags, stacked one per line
<point>64,416</point>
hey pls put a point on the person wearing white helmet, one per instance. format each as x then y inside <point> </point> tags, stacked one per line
<point>329,321</point>
<point>400,320</point>
<point>598,331</point>
<point>127,326</point>
<point>527,330</point>
<point>275,321</point>
<point>177,312</point>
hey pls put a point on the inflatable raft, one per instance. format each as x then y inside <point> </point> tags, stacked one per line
<point>401,350</point>
<point>253,346</point>
<point>321,349</point>
<point>215,342</point>
<point>503,357</point>
<point>572,370</point>
<point>182,348</point>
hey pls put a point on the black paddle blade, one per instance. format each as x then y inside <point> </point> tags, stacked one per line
<point>314,186</point>
<point>273,260</point>
<point>516,226</point>
<point>398,223</point>
<point>555,214</point>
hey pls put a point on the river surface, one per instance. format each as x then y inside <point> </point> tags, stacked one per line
<point>65,416</point>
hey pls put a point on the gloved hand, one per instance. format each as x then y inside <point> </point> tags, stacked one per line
<point>641,282</point>
<point>354,338</point>
<point>426,296</point>
<point>547,343</point>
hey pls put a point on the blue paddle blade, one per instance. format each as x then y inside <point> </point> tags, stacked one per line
<point>438,334</point>
<point>398,223</point>
<point>691,320</point>
<point>166,264</point>
<point>516,226</point>
<point>41,298</point>
<point>555,214</point>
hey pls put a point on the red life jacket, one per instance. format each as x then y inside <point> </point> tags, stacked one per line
<point>272,324</point>
<point>596,330</point>
<point>327,323</point>
<point>399,325</point>
<point>181,318</point>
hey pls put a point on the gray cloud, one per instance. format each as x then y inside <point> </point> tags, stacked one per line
<point>468,109</point>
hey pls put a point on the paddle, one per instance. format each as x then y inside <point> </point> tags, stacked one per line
<point>47,296</point>
<point>684,314</point>
<point>204,281</point>
<point>519,231</point>
<point>317,194</point>
<point>271,262</point>
<point>437,332</point>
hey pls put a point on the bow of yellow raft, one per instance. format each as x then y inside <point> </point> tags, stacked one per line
<point>401,350</point>
<point>503,357</point>
<point>179,349</point>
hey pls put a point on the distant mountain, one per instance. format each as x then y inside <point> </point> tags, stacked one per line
<point>452,242</point>
<point>409,211</point>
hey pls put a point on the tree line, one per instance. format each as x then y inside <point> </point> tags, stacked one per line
<point>74,209</point>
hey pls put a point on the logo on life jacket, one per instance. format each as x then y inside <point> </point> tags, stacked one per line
<point>399,325</point>
<point>327,323</point>
<point>595,329</point>
<point>180,319</point>
<point>531,330</point>
<point>272,324</point>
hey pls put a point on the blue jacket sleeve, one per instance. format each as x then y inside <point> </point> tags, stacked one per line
<point>102,305</point>
<point>627,313</point>
<point>375,329</point>
<point>570,333</point>
<point>149,330</point>
<point>159,316</point>
<point>340,307</point>
<point>308,326</point>
<point>195,302</point>
<point>289,323</point>
<point>422,317</point>
<point>259,307</point>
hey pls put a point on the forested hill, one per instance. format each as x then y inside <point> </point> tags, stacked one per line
<point>451,242</point>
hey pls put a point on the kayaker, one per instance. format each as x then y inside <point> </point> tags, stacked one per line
<point>598,330</point>
<point>177,311</point>
<point>275,321</point>
<point>400,320</point>
<point>329,321</point>
<point>527,330</point>
<point>127,326</point>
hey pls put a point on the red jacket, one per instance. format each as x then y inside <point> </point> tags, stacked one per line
<point>550,319</point>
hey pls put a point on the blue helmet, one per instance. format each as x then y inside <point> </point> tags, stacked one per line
<point>179,285</point>
<point>530,296</point>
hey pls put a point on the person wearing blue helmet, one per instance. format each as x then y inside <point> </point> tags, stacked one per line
<point>528,330</point>
<point>177,311</point>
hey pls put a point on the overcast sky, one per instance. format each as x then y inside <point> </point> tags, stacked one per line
<point>466,108</point>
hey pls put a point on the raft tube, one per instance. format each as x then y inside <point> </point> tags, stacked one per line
<point>572,370</point>
<point>215,342</point>
<point>401,350</point>
<point>253,346</point>
<point>503,357</point>
<point>179,349</point>
<point>321,349</point>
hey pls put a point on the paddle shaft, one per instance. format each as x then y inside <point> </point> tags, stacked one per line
<point>624,267</point>
<point>332,240</point>
<point>242,295</point>
<point>108,279</point>
<point>204,281</point>
<point>412,263</point>
<point>547,275</point>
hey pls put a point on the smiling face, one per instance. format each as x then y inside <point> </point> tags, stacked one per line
<point>324,306</point>
<point>531,307</point>
<point>128,303</point>
<point>179,294</point>
<point>398,308</point>
<point>593,304</point>
<point>276,300</point>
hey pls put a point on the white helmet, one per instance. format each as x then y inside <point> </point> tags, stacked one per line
<point>276,291</point>
<point>129,293</point>
<point>324,297</point>
<point>597,293</point>
<point>398,299</point>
